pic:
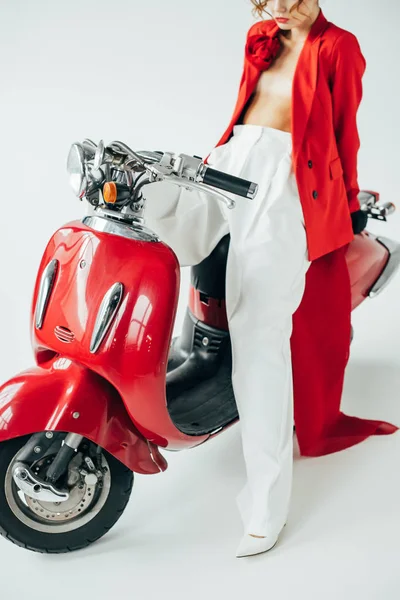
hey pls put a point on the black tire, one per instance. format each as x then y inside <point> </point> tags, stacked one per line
<point>21,534</point>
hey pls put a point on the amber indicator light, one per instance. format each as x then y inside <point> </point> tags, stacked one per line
<point>110,192</point>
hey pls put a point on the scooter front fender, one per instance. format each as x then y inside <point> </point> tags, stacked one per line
<point>65,396</point>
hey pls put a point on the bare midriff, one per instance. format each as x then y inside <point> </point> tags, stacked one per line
<point>270,105</point>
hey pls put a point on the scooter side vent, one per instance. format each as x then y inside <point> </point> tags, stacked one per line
<point>64,334</point>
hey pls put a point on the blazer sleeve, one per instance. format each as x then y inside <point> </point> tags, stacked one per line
<point>346,71</point>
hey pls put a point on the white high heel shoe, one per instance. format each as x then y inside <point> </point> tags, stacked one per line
<point>255,545</point>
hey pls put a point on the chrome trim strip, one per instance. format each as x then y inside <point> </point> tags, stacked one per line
<point>391,266</point>
<point>215,430</point>
<point>133,231</point>
<point>45,288</point>
<point>105,315</point>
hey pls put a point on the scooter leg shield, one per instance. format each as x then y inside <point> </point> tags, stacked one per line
<point>65,396</point>
<point>191,222</point>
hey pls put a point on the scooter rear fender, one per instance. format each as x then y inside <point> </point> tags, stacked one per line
<point>65,396</point>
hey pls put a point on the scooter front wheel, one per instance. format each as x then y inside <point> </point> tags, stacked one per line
<point>93,506</point>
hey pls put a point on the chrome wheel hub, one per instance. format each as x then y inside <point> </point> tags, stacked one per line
<point>87,494</point>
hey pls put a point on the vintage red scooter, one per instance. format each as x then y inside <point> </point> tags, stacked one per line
<point>111,386</point>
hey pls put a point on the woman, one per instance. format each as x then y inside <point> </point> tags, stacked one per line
<point>293,131</point>
<point>272,241</point>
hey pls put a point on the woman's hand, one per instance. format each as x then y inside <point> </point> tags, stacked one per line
<point>359,219</point>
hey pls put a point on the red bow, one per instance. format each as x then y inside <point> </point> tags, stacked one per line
<point>261,49</point>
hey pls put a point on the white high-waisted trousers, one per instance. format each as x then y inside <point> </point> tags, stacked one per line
<point>265,280</point>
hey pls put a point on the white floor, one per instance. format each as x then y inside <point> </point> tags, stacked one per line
<point>178,536</point>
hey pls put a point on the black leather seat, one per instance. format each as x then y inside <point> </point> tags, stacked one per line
<point>209,275</point>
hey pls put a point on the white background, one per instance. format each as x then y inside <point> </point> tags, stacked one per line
<point>164,75</point>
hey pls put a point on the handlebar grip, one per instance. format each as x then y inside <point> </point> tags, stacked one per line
<point>230,183</point>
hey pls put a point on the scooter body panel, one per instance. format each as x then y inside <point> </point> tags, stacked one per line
<point>367,260</point>
<point>133,355</point>
<point>65,396</point>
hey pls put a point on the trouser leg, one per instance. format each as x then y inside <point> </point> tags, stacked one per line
<point>191,222</point>
<point>260,329</point>
<point>265,281</point>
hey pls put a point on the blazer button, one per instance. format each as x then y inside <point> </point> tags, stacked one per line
<point>310,163</point>
<point>315,194</point>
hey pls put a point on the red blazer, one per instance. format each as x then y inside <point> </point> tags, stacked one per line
<point>326,93</point>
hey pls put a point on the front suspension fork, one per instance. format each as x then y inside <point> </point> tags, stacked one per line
<point>36,448</point>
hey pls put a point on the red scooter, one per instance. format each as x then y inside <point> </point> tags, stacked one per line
<point>111,385</point>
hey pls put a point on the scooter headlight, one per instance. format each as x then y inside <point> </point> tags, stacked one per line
<point>76,170</point>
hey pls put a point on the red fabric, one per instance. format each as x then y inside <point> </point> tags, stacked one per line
<point>262,48</point>
<point>320,346</point>
<point>326,93</point>
<point>320,341</point>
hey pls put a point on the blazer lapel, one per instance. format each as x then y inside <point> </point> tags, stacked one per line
<point>303,89</point>
<point>305,82</point>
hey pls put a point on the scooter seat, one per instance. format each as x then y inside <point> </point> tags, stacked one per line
<point>208,277</point>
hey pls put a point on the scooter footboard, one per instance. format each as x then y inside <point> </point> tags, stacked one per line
<point>66,396</point>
